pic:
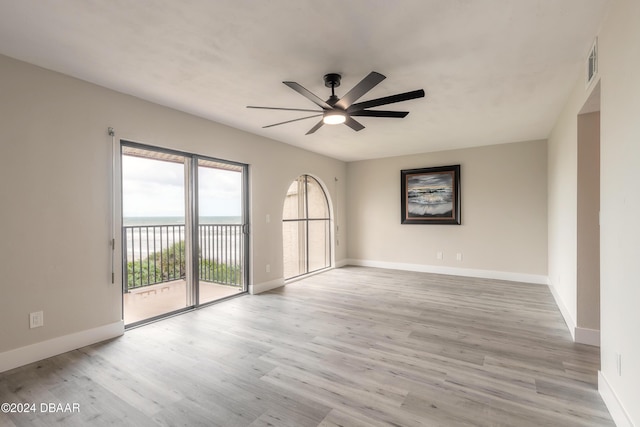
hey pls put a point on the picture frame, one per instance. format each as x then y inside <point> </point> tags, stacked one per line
<point>431,195</point>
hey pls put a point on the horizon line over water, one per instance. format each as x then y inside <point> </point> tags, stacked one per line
<point>177,220</point>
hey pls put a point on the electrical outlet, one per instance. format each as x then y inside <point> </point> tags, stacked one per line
<point>268,218</point>
<point>459,256</point>
<point>36,319</point>
<point>268,268</point>
<point>439,255</point>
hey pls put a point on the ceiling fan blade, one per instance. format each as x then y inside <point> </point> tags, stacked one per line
<point>386,100</point>
<point>380,113</point>
<point>285,109</point>
<point>310,96</point>
<point>289,121</point>
<point>353,124</point>
<point>315,128</point>
<point>360,89</point>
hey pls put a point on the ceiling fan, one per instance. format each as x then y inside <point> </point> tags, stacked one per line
<point>342,110</point>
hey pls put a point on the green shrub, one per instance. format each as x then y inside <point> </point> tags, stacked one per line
<point>170,264</point>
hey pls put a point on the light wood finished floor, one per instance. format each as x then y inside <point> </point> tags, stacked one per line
<point>349,347</point>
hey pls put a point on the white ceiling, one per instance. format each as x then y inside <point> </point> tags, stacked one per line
<point>494,71</point>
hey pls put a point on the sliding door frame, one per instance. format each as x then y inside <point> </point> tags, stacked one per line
<point>192,224</point>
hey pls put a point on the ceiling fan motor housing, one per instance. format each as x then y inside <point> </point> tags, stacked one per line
<point>332,80</point>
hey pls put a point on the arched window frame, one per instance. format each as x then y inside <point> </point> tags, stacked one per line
<point>303,231</point>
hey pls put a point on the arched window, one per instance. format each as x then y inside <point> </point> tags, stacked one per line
<point>306,228</point>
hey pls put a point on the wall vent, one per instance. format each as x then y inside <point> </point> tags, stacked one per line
<point>592,63</point>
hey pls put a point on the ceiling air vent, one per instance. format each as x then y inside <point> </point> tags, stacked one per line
<point>592,63</point>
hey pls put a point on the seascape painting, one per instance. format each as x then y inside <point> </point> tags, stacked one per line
<point>431,195</point>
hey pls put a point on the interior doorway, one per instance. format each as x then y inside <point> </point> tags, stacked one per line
<point>184,233</point>
<point>588,221</point>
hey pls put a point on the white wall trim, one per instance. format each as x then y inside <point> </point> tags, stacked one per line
<point>273,284</point>
<point>52,347</point>
<point>304,276</point>
<point>454,271</point>
<point>568,320</point>
<point>618,413</point>
<point>266,286</point>
<point>342,263</point>
<point>588,336</point>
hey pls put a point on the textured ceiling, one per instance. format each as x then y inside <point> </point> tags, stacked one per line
<point>494,71</point>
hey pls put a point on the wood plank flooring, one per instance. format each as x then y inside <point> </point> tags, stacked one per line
<point>350,347</point>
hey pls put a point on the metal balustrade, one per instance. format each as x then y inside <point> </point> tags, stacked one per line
<point>156,254</point>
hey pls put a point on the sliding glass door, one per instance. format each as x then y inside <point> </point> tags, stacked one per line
<point>184,231</point>
<point>221,245</point>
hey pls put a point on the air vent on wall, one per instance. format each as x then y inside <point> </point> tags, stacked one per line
<point>592,63</point>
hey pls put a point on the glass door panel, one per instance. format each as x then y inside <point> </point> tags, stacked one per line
<point>221,230</point>
<point>153,234</point>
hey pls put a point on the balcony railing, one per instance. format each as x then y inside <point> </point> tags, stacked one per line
<point>156,254</point>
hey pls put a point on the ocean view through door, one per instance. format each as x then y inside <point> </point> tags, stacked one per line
<point>184,231</point>
<point>221,245</point>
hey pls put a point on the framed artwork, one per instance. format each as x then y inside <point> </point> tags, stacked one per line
<point>431,195</point>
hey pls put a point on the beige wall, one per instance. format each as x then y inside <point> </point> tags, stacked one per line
<point>620,203</point>
<point>504,204</point>
<point>563,205</point>
<point>55,164</point>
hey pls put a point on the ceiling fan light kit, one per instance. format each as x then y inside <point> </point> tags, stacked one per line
<point>334,117</point>
<point>342,110</point>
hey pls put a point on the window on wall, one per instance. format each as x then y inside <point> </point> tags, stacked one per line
<point>306,228</point>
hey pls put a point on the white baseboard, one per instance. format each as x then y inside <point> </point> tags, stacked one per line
<point>616,409</point>
<point>49,348</point>
<point>273,284</point>
<point>342,263</point>
<point>454,271</point>
<point>587,336</point>
<point>578,334</point>
<point>568,319</point>
<point>266,286</point>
